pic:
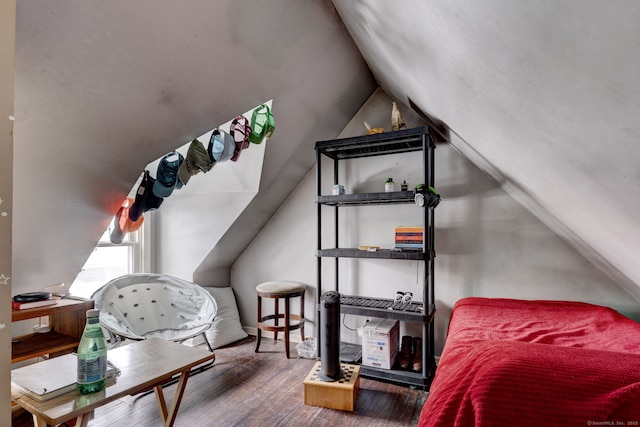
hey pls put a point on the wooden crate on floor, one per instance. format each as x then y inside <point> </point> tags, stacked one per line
<point>339,394</point>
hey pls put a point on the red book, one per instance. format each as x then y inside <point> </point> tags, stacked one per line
<point>33,304</point>
<point>402,238</point>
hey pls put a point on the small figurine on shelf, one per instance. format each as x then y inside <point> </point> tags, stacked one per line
<point>370,130</point>
<point>397,122</point>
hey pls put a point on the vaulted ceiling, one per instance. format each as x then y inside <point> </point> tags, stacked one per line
<point>104,88</point>
<point>543,95</point>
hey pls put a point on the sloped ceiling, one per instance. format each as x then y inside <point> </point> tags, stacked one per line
<point>545,94</point>
<point>104,88</point>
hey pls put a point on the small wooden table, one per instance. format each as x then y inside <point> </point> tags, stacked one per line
<point>143,365</point>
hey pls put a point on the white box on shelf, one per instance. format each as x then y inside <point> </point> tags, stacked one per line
<point>337,190</point>
<point>380,341</point>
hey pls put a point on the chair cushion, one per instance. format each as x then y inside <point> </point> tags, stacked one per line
<point>277,287</point>
<point>226,328</point>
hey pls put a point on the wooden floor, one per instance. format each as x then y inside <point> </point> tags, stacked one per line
<point>263,389</point>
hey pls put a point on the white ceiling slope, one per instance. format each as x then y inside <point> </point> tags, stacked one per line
<point>104,88</point>
<point>545,94</point>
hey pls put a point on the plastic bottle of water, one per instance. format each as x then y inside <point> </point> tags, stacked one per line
<point>92,356</point>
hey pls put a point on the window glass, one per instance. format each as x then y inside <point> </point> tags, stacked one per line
<point>108,261</point>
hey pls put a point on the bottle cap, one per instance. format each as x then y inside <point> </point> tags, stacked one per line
<point>93,312</point>
<point>389,179</point>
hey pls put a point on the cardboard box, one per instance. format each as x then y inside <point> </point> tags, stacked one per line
<point>380,342</point>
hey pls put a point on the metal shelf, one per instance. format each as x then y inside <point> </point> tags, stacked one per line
<point>385,308</point>
<point>416,255</point>
<point>396,197</point>
<point>421,380</point>
<point>402,141</point>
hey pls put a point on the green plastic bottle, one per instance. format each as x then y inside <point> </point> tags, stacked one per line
<point>92,356</point>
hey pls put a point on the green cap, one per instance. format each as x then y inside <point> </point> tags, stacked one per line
<point>262,124</point>
<point>196,161</point>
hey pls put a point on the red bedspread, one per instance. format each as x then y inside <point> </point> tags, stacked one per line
<point>536,363</point>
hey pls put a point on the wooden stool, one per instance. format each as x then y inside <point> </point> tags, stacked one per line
<point>277,290</point>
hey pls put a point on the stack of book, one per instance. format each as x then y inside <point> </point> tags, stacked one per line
<point>409,237</point>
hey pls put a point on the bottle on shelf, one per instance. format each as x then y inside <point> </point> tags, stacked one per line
<point>92,356</point>
<point>389,186</point>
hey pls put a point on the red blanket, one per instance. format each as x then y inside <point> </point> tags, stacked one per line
<point>536,363</point>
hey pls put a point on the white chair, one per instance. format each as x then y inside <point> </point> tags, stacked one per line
<point>140,306</point>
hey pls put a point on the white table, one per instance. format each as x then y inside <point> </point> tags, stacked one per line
<point>143,365</point>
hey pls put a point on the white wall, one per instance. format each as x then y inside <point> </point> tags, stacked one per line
<point>7,39</point>
<point>487,244</point>
<point>192,219</point>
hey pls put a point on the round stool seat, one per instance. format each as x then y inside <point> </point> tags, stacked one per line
<point>282,288</point>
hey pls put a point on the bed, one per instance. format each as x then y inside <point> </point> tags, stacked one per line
<point>513,362</point>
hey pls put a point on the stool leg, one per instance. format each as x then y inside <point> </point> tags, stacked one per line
<point>276,311</point>
<point>259,335</point>
<point>302,316</point>
<point>286,325</point>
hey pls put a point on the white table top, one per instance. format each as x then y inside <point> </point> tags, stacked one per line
<point>143,365</point>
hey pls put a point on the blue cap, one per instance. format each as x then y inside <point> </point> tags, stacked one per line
<point>221,146</point>
<point>167,174</point>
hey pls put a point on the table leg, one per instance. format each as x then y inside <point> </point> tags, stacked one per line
<point>39,422</point>
<point>169,417</point>
<point>81,421</point>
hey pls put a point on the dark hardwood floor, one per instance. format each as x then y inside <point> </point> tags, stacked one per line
<point>263,389</point>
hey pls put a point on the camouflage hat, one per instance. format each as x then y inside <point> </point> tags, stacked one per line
<point>196,161</point>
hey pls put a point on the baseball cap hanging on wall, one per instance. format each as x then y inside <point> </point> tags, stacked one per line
<point>122,224</point>
<point>196,161</point>
<point>216,146</point>
<point>145,199</point>
<point>262,124</point>
<point>240,131</point>
<point>221,146</point>
<point>167,174</point>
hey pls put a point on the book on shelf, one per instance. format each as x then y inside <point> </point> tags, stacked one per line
<point>51,378</point>
<point>409,229</point>
<point>408,238</point>
<point>409,245</point>
<point>32,304</point>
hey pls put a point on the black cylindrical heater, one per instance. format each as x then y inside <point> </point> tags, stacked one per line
<point>330,333</point>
